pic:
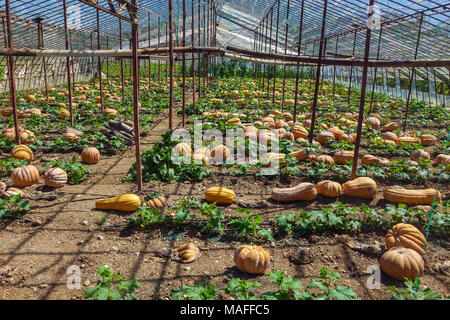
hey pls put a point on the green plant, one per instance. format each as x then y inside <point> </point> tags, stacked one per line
<point>13,206</point>
<point>413,291</point>
<point>241,289</point>
<point>74,169</point>
<point>249,225</point>
<point>111,286</point>
<point>8,165</point>
<point>288,287</point>
<point>146,216</point>
<point>201,291</point>
<point>158,164</point>
<point>213,215</point>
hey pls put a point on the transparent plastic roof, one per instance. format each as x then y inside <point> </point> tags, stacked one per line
<point>240,20</point>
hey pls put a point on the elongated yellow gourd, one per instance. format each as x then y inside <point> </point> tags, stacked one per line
<point>411,196</point>
<point>220,195</point>
<point>128,202</point>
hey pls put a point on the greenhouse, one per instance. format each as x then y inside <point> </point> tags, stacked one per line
<point>224,149</point>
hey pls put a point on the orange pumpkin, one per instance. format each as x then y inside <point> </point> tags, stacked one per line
<point>90,155</point>
<point>25,176</point>
<point>252,259</point>
<point>407,236</point>
<point>400,263</point>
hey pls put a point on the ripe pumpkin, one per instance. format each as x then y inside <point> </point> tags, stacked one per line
<point>408,140</point>
<point>63,113</point>
<point>287,116</point>
<point>373,122</point>
<point>7,111</point>
<point>220,153</point>
<point>302,191</point>
<point>182,149</point>
<point>329,188</point>
<point>252,259</point>
<point>2,188</point>
<point>408,196</point>
<point>276,158</point>
<point>428,139</point>
<point>281,124</point>
<point>299,132</point>
<point>186,253</point>
<point>391,126</point>
<point>299,154</point>
<point>22,152</point>
<point>418,154</point>
<point>336,132</point>
<point>342,157</point>
<point>220,195</point>
<point>128,202</point>
<point>111,113</point>
<point>362,187</point>
<point>324,158</point>
<point>390,136</point>
<point>11,191</point>
<point>157,202</point>
<point>441,158</point>
<point>90,155</point>
<point>25,176</point>
<point>324,137</point>
<point>400,263</point>
<point>370,159</point>
<point>407,236</point>
<point>55,177</point>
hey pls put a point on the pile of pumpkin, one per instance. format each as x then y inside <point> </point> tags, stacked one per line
<point>29,174</point>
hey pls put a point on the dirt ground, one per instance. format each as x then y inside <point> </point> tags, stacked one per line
<point>35,256</point>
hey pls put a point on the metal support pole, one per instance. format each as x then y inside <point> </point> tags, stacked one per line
<point>319,64</point>
<point>298,52</point>
<point>121,61</point>
<point>276,51</point>
<point>134,47</point>
<point>100,78</point>
<point>170,65</point>
<point>351,69</point>
<point>413,72</point>
<point>285,52</point>
<point>363,94</point>
<point>69,80</point>
<point>41,46</point>
<point>11,73</point>
<point>183,41</point>
<point>193,57</point>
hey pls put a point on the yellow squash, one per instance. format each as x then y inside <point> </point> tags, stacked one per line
<point>220,195</point>
<point>128,202</point>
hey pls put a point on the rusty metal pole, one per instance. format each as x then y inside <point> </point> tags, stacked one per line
<point>107,59</point>
<point>298,64</point>
<point>193,57</point>
<point>159,42</point>
<point>334,67</point>
<point>135,62</point>
<point>199,16</point>
<point>313,53</point>
<point>149,58</point>
<point>270,50</point>
<point>121,61</point>
<point>11,73</point>
<point>351,68</point>
<point>276,51</point>
<point>375,71</point>
<point>170,65</point>
<point>167,40</point>
<point>319,63</point>
<point>100,78</point>
<point>184,63</point>
<point>69,80</point>
<point>413,72</point>
<point>41,46</point>
<point>363,93</point>
<point>285,52</point>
